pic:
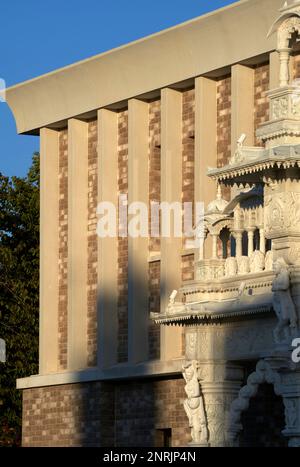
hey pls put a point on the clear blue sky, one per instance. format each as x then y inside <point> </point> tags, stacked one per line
<point>38,36</point>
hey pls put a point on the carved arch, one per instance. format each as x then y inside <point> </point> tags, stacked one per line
<point>286,30</point>
<point>263,374</point>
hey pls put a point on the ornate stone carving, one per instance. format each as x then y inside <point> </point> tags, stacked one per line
<point>257,262</point>
<point>194,406</point>
<point>282,212</point>
<point>191,345</point>
<point>269,260</point>
<point>243,265</point>
<point>280,108</point>
<point>283,304</point>
<point>290,413</point>
<point>231,267</point>
<point>286,30</point>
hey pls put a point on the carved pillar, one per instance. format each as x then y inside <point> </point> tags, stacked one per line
<point>291,399</point>
<point>215,246</point>
<point>238,234</point>
<point>284,58</point>
<point>220,383</point>
<point>262,242</point>
<point>250,242</point>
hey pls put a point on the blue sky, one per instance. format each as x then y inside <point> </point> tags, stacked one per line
<point>39,36</point>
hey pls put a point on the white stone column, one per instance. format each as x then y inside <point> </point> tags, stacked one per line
<point>220,387</point>
<point>171,190</point>
<point>262,241</point>
<point>284,73</point>
<point>215,246</point>
<point>49,250</point>
<point>138,192</point>
<point>77,244</point>
<point>250,242</point>
<point>239,245</point>
<point>108,246</point>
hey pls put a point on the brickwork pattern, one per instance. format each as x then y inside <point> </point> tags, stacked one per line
<point>63,251</point>
<point>154,243</point>
<point>143,407</point>
<point>188,165</point>
<point>154,162</point>
<point>224,121</point>
<point>65,416</point>
<point>92,243</point>
<point>261,103</point>
<point>154,307</point>
<point>123,242</point>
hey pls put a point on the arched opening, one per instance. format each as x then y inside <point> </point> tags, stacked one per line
<point>224,237</point>
<point>256,240</point>
<point>264,420</point>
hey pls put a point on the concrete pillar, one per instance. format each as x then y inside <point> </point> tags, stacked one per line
<point>242,105</point>
<point>205,138</point>
<point>49,249</point>
<point>107,303</point>
<point>171,190</point>
<point>138,192</point>
<point>77,244</point>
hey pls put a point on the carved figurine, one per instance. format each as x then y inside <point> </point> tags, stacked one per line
<point>230,267</point>
<point>257,261</point>
<point>243,265</point>
<point>194,405</point>
<point>269,260</point>
<point>282,302</point>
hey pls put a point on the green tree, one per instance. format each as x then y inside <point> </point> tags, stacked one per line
<point>19,293</point>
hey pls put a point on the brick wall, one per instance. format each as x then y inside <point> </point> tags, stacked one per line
<point>72,415</point>
<point>224,121</point>
<point>154,307</point>
<point>104,414</point>
<point>63,251</point>
<point>188,164</point>
<point>261,103</point>
<point>154,243</point>
<point>123,242</point>
<point>143,407</point>
<point>92,243</point>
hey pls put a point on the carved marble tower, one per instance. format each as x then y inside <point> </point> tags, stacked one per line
<point>244,304</point>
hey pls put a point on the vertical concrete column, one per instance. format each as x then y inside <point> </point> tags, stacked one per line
<point>77,248</point>
<point>49,246</point>
<point>138,192</point>
<point>171,191</point>
<point>107,303</point>
<point>205,146</point>
<point>205,138</point>
<point>242,105</point>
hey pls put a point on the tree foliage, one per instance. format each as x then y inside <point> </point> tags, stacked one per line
<point>19,293</point>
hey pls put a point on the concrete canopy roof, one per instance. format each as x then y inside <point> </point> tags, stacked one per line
<point>198,47</point>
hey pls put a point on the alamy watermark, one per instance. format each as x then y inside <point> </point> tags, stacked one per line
<point>159,220</point>
<point>296,352</point>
